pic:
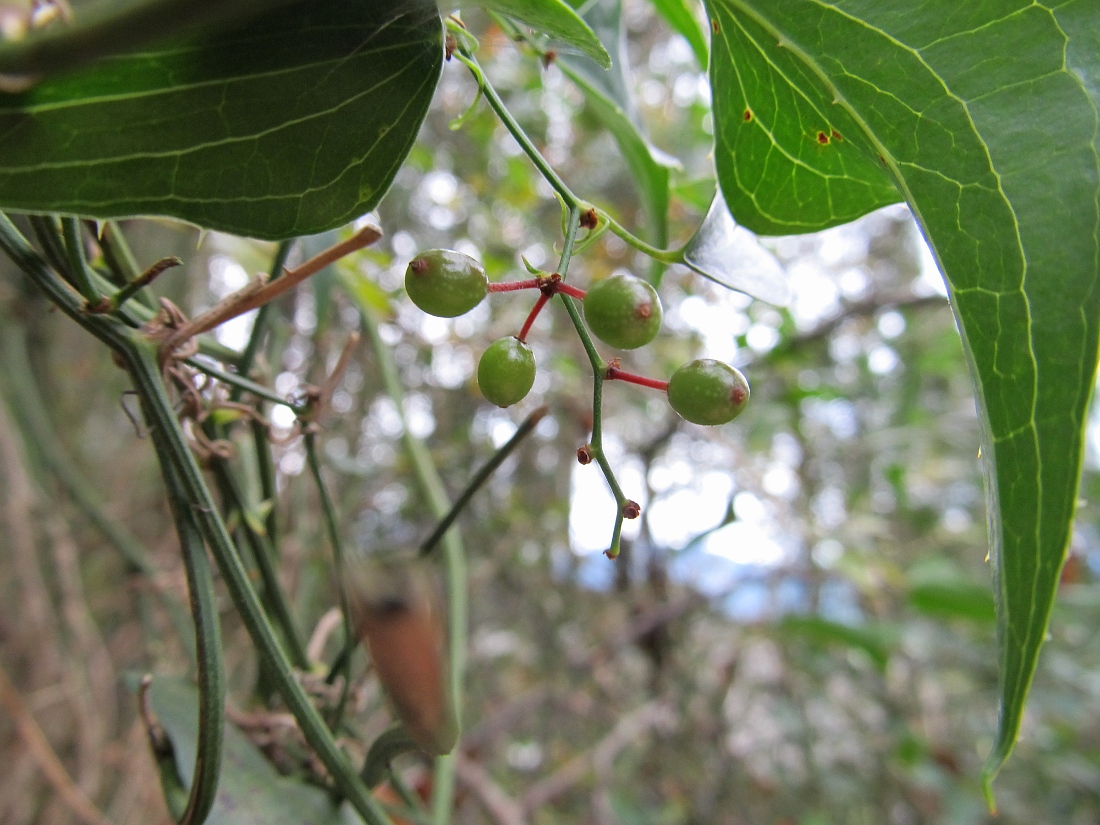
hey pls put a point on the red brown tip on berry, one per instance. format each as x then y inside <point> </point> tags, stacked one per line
<point>631,509</point>
<point>738,395</point>
<point>644,311</point>
<point>584,456</point>
<point>418,266</point>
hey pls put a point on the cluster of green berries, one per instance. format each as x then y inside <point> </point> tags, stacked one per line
<point>622,311</point>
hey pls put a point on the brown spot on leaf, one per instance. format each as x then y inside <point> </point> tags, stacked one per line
<point>748,115</point>
<point>823,138</point>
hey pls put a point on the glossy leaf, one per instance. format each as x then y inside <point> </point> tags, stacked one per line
<point>984,115</point>
<point>292,125</point>
<point>251,791</point>
<point>788,160</point>
<point>732,256</point>
<point>555,19</point>
<point>610,97</point>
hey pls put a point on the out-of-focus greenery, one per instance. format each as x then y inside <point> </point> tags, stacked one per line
<point>799,629</point>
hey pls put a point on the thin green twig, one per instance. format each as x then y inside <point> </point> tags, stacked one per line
<point>78,267</point>
<point>480,477</point>
<point>328,513</point>
<point>208,654</point>
<point>273,596</point>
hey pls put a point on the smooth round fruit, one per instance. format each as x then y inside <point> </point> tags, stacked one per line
<point>623,311</point>
<point>506,371</point>
<point>445,283</point>
<point>708,392</point>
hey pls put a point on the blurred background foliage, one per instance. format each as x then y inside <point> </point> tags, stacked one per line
<point>800,627</point>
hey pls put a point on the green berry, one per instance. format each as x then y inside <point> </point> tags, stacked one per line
<point>445,283</point>
<point>623,311</point>
<point>506,371</point>
<point>708,392</point>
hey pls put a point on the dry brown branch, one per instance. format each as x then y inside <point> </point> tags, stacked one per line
<point>44,755</point>
<point>259,291</point>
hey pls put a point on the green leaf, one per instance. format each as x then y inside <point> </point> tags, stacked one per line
<point>732,256</point>
<point>292,125</point>
<point>680,17</point>
<point>251,791</point>
<point>609,94</point>
<point>553,18</point>
<point>876,642</point>
<point>985,116</point>
<point>788,160</point>
<point>953,599</point>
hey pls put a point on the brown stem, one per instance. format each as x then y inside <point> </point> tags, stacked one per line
<point>258,291</point>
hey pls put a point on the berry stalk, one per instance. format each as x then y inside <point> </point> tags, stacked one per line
<point>616,374</point>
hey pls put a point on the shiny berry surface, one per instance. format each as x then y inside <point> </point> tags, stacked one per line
<point>708,392</point>
<point>506,371</point>
<point>623,311</point>
<point>445,283</point>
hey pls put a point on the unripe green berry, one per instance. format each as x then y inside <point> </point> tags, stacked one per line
<point>708,392</point>
<point>506,371</point>
<point>445,283</point>
<point>623,311</point>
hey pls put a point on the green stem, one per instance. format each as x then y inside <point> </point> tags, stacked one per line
<point>274,596</point>
<point>48,234</point>
<point>328,511</point>
<point>242,385</point>
<point>208,654</point>
<point>454,558</point>
<point>142,363</point>
<point>665,256</point>
<point>516,130</point>
<point>74,247</point>
<point>265,465</point>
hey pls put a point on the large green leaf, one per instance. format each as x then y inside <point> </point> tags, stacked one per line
<point>293,124</point>
<point>984,114</point>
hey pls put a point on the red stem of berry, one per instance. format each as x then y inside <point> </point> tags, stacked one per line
<point>616,374</point>
<point>571,291</point>
<point>535,310</point>
<point>510,286</point>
